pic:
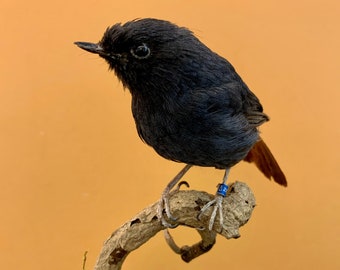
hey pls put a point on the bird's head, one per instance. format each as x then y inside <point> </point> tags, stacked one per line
<point>145,50</point>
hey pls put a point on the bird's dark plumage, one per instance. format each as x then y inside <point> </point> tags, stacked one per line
<point>188,102</point>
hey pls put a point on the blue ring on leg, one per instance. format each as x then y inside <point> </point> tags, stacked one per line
<point>222,190</point>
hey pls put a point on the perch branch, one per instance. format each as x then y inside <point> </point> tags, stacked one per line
<point>185,205</point>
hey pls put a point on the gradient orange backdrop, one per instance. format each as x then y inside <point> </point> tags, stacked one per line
<point>72,168</point>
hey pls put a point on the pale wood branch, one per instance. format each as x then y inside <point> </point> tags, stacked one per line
<point>185,205</point>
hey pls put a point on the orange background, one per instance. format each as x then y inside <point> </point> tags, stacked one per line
<point>73,168</point>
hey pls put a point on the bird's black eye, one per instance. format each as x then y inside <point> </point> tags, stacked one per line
<point>141,51</point>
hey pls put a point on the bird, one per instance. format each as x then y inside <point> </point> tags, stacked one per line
<point>188,102</point>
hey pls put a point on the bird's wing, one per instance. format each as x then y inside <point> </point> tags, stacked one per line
<point>260,154</point>
<point>237,97</point>
<point>252,107</point>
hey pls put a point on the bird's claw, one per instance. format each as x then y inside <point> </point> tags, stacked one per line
<point>217,202</point>
<point>164,205</point>
<point>164,201</point>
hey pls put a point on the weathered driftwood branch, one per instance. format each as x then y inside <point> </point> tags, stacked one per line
<point>185,205</point>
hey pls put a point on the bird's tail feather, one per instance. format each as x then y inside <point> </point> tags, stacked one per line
<point>266,163</point>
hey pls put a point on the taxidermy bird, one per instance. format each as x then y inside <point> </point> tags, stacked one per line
<point>188,102</point>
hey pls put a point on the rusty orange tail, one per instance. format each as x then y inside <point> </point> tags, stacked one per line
<point>266,163</point>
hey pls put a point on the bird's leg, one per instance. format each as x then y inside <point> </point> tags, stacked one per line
<point>164,201</point>
<point>217,202</point>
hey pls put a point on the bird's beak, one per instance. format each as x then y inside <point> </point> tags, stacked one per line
<point>97,49</point>
<point>90,47</point>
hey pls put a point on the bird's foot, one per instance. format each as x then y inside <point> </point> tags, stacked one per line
<point>164,201</point>
<point>217,203</point>
<point>164,205</point>
<point>165,223</point>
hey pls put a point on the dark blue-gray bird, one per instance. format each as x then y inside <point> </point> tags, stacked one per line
<point>188,102</point>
